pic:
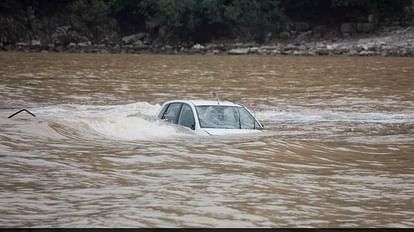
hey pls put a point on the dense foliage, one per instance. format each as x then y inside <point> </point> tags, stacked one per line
<point>189,20</point>
<point>342,10</point>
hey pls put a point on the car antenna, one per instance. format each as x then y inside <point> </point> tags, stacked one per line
<point>216,96</point>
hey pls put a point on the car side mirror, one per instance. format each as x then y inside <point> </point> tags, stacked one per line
<point>259,127</point>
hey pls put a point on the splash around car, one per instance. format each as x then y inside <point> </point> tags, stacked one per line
<point>205,117</point>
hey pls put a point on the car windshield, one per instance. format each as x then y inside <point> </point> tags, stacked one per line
<point>225,117</point>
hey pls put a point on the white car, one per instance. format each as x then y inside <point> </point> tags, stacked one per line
<point>210,117</point>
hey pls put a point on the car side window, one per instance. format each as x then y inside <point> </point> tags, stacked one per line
<point>171,114</point>
<point>162,112</point>
<point>246,119</point>
<point>187,117</point>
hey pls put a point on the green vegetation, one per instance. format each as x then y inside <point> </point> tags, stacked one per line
<point>182,20</point>
<point>198,20</point>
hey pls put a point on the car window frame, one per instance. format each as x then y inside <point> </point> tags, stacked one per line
<point>257,124</point>
<point>175,121</point>
<point>192,112</point>
<point>250,116</point>
<point>162,111</point>
<point>198,117</point>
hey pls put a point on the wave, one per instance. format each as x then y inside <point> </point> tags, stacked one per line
<point>134,121</point>
<point>310,115</point>
<point>137,121</point>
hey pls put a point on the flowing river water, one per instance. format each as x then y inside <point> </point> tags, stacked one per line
<point>337,150</point>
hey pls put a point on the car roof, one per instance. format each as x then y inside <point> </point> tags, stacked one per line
<point>206,102</point>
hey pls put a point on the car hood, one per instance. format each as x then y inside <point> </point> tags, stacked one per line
<point>212,131</point>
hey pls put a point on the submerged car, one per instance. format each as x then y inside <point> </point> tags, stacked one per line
<point>210,117</point>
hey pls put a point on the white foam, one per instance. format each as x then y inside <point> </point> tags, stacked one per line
<point>143,108</point>
<point>130,128</point>
<point>134,121</point>
<point>309,115</point>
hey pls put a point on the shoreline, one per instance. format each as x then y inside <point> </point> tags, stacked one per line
<point>397,42</point>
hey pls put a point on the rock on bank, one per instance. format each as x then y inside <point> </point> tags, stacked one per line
<point>388,42</point>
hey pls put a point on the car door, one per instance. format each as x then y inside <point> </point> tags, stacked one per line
<point>186,118</point>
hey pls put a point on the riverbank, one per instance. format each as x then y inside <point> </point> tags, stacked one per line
<point>390,41</point>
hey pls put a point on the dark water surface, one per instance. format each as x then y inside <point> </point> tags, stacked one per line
<point>338,149</point>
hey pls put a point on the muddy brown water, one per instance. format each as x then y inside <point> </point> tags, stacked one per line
<point>338,149</point>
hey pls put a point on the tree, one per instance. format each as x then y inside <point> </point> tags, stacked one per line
<point>254,17</point>
<point>133,15</point>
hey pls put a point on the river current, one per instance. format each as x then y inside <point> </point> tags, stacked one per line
<point>337,149</point>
